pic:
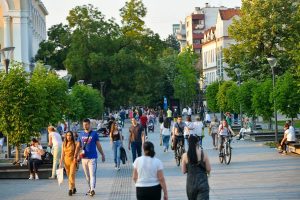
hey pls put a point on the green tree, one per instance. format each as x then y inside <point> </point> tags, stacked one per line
<point>53,51</point>
<point>261,100</point>
<point>185,81</point>
<point>287,95</point>
<point>132,15</point>
<point>173,43</point>
<point>232,95</point>
<point>211,96</point>
<point>222,100</point>
<point>19,119</point>
<point>245,97</point>
<point>90,102</point>
<point>265,28</point>
<point>54,94</point>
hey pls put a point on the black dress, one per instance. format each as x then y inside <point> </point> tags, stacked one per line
<point>197,187</point>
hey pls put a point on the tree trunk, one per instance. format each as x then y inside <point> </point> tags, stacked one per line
<point>270,123</point>
<point>254,122</point>
<point>18,149</point>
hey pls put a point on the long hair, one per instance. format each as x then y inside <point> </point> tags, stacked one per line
<point>167,123</point>
<point>72,138</point>
<point>192,153</point>
<point>226,124</point>
<point>149,149</point>
<point>113,128</point>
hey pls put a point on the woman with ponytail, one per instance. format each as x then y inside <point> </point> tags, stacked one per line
<point>196,164</point>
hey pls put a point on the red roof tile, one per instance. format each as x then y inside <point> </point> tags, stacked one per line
<point>229,13</point>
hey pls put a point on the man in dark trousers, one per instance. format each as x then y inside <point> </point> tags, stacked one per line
<point>136,139</point>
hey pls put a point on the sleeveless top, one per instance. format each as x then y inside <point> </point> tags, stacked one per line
<point>196,177</point>
<point>116,136</point>
<point>69,150</point>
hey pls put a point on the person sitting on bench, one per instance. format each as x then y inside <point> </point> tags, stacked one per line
<point>34,156</point>
<point>246,128</point>
<point>288,138</point>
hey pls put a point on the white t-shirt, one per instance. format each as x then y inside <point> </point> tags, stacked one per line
<point>34,152</point>
<point>190,126</point>
<point>56,139</point>
<point>290,135</point>
<point>223,131</point>
<point>147,169</point>
<point>189,111</point>
<point>207,117</point>
<point>165,131</point>
<point>198,125</point>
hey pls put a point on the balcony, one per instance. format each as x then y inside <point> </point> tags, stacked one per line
<point>199,36</point>
<point>197,46</point>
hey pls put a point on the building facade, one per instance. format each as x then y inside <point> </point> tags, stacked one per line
<point>175,28</point>
<point>23,26</point>
<point>215,40</point>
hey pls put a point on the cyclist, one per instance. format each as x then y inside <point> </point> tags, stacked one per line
<point>224,133</point>
<point>178,131</point>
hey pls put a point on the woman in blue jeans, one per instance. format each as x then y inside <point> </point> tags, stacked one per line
<point>116,141</point>
<point>165,133</point>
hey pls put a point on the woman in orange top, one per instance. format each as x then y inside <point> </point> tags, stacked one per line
<point>68,157</point>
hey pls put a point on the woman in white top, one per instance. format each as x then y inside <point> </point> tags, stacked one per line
<point>165,131</point>
<point>223,132</point>
<point>148,175</point>
<point>188,130</point>
<point>34,156</point>
<point>198,130</point>
<point>55,141</point>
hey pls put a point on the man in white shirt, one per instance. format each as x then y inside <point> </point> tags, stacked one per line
<point>55,141</point>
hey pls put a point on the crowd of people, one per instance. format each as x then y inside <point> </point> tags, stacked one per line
<point>81,146</point>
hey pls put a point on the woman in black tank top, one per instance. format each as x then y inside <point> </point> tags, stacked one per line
<point>116,141</point>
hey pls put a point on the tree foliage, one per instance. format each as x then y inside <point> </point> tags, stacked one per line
<point>211,96</point>
<point>245,97</point>
<point>222,99</point>
<point>185,81</point>
<point>261,100</point>
<point>287,95</point>
<point>265,28</point>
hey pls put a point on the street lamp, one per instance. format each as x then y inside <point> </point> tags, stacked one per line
<point>6,54</point>
<point>238,73</point>
<point>273,61</point>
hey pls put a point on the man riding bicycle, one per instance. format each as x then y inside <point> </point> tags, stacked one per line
<point>224,133</point>
<point>178,131</point>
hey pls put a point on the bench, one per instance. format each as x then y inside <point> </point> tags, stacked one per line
<point>238,127</point>
<point>265,136</point>
<point>9,171</point>
<point>294,148</point>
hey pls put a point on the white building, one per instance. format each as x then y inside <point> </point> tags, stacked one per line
<point>215,40</point>
<point>23,26</point>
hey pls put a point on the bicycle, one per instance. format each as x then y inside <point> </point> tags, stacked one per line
<point>179,150</point>
<point>226,151</point>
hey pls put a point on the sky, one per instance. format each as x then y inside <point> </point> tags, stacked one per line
<point>161,14</point>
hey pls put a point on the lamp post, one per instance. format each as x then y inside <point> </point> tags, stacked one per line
<point>6,54</point>
<point>102,84</point>
<point>238,74</point>
<point>272,61</point>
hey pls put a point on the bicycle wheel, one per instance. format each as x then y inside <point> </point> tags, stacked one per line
<point>221,158</point>
<point>227,156</point>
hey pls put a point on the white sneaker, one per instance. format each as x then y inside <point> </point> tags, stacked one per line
<point>31,177</point>
<point>242,139</point>
<point>36,176</point>
<point>118,168</point>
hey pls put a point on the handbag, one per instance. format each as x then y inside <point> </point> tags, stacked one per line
<point>60,175</point>
<point>123,155</point>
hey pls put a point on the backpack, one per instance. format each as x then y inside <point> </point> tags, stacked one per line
<point>123,155</point>
<point>47,158</point>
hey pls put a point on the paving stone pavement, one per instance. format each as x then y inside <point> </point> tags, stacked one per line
<point>255,172</point>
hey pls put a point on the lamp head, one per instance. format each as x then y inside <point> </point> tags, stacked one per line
<point>272,61</point>
<point>238,71</point>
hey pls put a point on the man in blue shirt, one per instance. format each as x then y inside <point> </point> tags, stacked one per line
<point>86,148</point>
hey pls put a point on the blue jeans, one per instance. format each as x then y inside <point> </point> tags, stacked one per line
<point>136,148</point>
<point>116,148</point>
<point>166,139</point>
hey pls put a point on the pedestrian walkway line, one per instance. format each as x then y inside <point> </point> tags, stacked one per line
<point>122,184</point>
